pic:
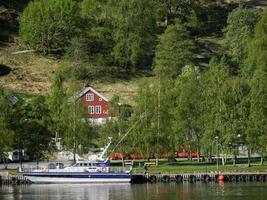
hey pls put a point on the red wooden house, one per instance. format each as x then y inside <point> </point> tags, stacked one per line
<point>97,105</point>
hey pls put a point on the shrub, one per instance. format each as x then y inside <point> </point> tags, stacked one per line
<point>47,25</point>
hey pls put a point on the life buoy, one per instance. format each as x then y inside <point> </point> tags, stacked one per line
<point>104,169</point>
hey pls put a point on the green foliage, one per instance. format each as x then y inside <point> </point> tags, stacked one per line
<point>257,122</point>
<point>34,119</point>
<point>48,25</point>
<point>99,30</point>
<point>114,106</point>
<point>146,107</point>
<point>237,91</point>
<point>257,48</point>
<point>6,136</point>
<point>174,51</point>
<point>55,102</point>
<point>6,132</point>
<point>77,129</point>
<point>187,111</point>
<point>173,9</point>
<point>239,31</point>
<point>214,101</point>
<point>135,31</point>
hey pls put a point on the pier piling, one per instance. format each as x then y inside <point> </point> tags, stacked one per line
<point>205,178</point>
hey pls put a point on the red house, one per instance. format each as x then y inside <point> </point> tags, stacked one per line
<point>97,105</point>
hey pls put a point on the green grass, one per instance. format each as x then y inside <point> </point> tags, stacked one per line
<point>9,171</point>
<point>193,167</point>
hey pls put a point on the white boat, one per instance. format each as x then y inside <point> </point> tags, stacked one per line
<point>94,170</point>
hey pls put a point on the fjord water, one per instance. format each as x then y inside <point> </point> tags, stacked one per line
<point>244,191</point>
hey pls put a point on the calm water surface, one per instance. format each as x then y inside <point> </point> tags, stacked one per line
<point>244,191</point>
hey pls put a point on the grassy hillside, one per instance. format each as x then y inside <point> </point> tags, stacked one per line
<point>32,73</point>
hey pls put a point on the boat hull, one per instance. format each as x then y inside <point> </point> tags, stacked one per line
<point>37,177</point>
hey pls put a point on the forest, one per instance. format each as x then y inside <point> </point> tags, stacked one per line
<point>187,99</point>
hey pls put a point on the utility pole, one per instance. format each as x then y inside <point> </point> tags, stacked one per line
<point>157,159</point>
<point>217,153</point>
<point>74,133</point>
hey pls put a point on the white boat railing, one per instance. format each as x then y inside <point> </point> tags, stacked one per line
<point>47,170</point>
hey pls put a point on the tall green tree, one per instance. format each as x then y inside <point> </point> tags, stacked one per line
<point>236,111</point>
<point>187,109</point>
<point>239,30</point>
<point>78,131</point>
<point>135,33</point>
<point>35,118</point>
<point>256,48</point>
<point>153,134</point>
<point>55,105</point>
<point>6,132</point>
<point>174,51</point>
<point>214,104</point>
<point>6,142</point>
<point>48,25</point>
<point>99,30</point>
<point>173,9</point>
<point>257,124</point>
<point>145,134</point>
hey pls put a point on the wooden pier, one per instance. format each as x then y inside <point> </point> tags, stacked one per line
<point>199,177</point>
<point>6,179</point>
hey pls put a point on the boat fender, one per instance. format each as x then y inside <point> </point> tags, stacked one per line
<point>44,169</point>
<point>104,169</point>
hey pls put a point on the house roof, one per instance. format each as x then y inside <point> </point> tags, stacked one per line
<point>85,90</point>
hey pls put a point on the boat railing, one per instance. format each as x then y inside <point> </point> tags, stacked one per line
<point>31,169</point>
<point>47,170</point>
<point>120,169</point>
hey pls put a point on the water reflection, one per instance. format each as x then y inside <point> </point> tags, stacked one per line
<point>136,192</point>
<point>66,192</point>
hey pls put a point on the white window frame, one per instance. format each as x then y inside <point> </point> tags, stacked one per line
<point>91,109</point>
<point>100,99</point>
<point>98,109</point>
<point>90,97</point>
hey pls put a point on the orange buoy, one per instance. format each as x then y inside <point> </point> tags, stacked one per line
<point>221,178</point>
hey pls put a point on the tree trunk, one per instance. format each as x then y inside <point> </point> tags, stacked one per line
<point>234,159</point>
<point>198,153</point>
<point>74,155</point>
<point>190,153</point>
<point>210,157</point>
<point>20,157</point>
<point>6,162</point>
<point>223,161</point>
<point>37,160</point>
<point>122,159</point>
<point>262,160</point>
<point>249,153</point>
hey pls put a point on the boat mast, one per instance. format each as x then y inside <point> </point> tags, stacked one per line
<point>101,156</point>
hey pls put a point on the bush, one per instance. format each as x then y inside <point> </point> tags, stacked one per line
<point>48,25</point>
<point>239,30</point>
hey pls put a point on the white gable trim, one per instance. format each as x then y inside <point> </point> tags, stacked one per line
<point>85,90</point>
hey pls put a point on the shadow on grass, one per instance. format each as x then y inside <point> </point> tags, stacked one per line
<point>4,70</point>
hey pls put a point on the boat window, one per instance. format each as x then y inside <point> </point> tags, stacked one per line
<point>85,164</point>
